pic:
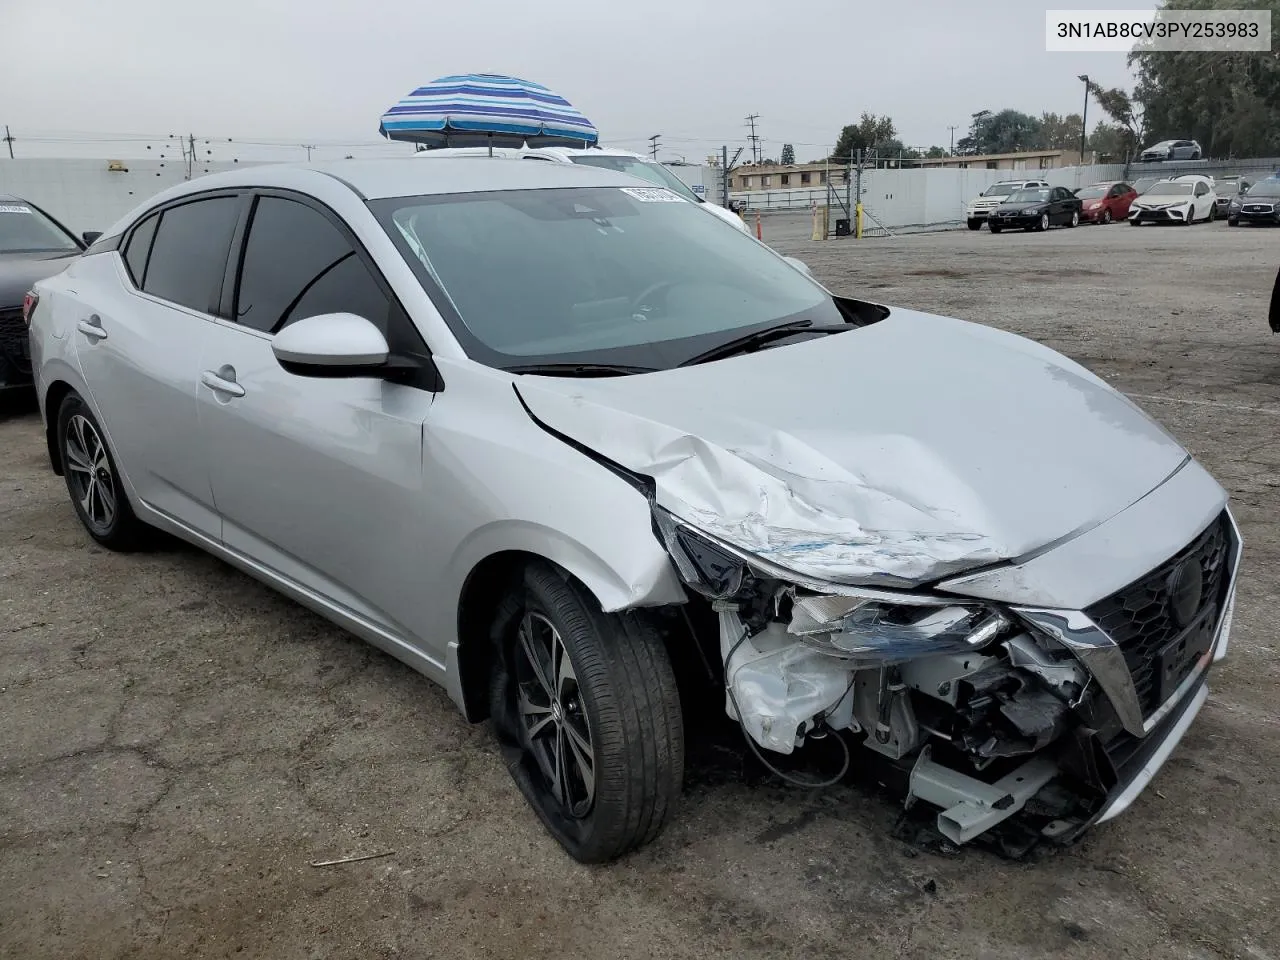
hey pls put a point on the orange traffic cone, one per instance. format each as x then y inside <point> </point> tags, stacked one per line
<point>759,230</point>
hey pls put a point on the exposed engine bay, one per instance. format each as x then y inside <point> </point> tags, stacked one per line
<point>986,716</point>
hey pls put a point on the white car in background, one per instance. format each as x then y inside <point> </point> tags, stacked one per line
<point>980,207</point>
<point>1180,200</point>
<point>622,161</point>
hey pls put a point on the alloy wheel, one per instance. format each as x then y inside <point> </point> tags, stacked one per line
<point>1106,216</point>
<point>552,717</point>
<point>89,470</point>
<point>1044,221</point>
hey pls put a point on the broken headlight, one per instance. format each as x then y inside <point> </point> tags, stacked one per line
<point>879,633</point>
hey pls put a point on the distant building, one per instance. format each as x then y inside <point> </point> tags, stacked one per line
<point>774,176</point>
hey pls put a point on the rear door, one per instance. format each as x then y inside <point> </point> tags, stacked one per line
<point>317,479</point>
<point>138,343</point>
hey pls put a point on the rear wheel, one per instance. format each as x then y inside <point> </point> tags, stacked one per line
<point>93,480</point>
<point>1075,219</point>
<point>587,715</point>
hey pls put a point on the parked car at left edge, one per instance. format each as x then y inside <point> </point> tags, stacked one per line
<point>1260,205</point>
<point>33,245</point>
<point>1105,202</point>
<point>1036,209</point>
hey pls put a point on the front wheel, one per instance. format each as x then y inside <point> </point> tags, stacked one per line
<point>974,224</point>
<point>1231,222</point>
<point>587,715</point>
<point>1106,216</point>
<point>93,480</point>
<point>995,229</point>
<point>1135,222</point>
<point>1044,222</point>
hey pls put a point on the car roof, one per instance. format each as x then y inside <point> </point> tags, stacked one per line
<point>407,177</point>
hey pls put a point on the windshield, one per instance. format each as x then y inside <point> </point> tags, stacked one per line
<point>1168,188</point>
<point>1000,190</point>
<point>1162,145</point>
<point>1264,188</point>
<point>644,169</point>
<point>1093,193</point>
<point>617,275</point>
<point>1030,196</point>
<point>24,229</point>
<point>1145,184</point>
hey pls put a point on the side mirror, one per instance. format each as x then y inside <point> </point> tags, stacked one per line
<point>331,345</point>
<point>799,265</point>
<point>89,236</point>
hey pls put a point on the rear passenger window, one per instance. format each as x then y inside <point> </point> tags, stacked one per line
<point>189,255</point>
<point>298,264</point>
<point>135,254</point>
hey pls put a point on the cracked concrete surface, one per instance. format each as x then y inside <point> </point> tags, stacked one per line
<point>177,743</point>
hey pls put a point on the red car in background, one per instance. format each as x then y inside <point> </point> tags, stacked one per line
<point>1105,202</point>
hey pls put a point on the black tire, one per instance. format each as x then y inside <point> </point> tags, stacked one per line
<point>1043,223</point>
<point>1075,219</point>
<point>1213,213</point>
<point>1232,222</point>
<point>993,228</point>
<point>1135,223</point>
<point>622,696</point>
<point>93,481</point>
<point>974,224</point>
<point>1106,216</point>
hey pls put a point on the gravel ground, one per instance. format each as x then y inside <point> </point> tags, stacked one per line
<point>177,743</point>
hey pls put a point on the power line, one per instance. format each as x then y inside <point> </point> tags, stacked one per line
<point>755,140</point>
<point>953,128</point>
<point>654,145</point>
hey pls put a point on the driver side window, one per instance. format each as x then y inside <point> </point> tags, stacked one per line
<point>1201,189</point>
<point>297,264</point>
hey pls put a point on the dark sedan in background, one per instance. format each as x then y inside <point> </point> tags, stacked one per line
<point>33,245</point>
<point>1227,189</point>
<point>1261,204</point>
<point>1036,209</point>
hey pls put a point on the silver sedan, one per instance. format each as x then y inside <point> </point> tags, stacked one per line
<point>550,435</point>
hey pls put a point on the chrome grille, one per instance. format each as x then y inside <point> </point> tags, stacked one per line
<point>1140,618</point>
<point>14,345</point>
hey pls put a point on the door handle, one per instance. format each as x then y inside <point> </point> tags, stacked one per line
<point>221,384</point>
<point>92,328</point>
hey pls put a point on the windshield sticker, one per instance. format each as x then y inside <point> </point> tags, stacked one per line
<point>653,195</point>
<point>11,208</point>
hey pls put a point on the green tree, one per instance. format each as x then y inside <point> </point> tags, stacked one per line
<point>869,133</point>
<point>1228,101</point>
<point>1008,131</point>
<point>1110,140</point>
<point>1127,113</point>
<point>788,154</point>
<point>1058,132</point>
<point>936,153</point>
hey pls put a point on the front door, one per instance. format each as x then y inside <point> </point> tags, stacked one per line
<point>318,479</point>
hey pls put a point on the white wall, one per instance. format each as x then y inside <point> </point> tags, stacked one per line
<point>85,195</point>
<point>918,197</point>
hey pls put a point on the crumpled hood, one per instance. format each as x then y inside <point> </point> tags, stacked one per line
<point>894,454</point>
<point>18,271</point>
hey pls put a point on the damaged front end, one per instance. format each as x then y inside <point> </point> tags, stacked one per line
<point>986,711</point>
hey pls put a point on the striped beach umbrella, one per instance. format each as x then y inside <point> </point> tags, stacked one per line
<point>474,109</point>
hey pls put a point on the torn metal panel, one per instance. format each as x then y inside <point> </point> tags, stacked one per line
<point>878,456</point>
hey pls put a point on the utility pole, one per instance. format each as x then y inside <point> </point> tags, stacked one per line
<point>953,128</point>
<point>654,145</point>
<point>309,147</point>
<point>8,138</point>
<point>755,140</point>
<point>1084,116</point>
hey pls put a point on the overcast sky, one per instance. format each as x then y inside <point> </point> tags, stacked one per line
<point>323,71</point>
